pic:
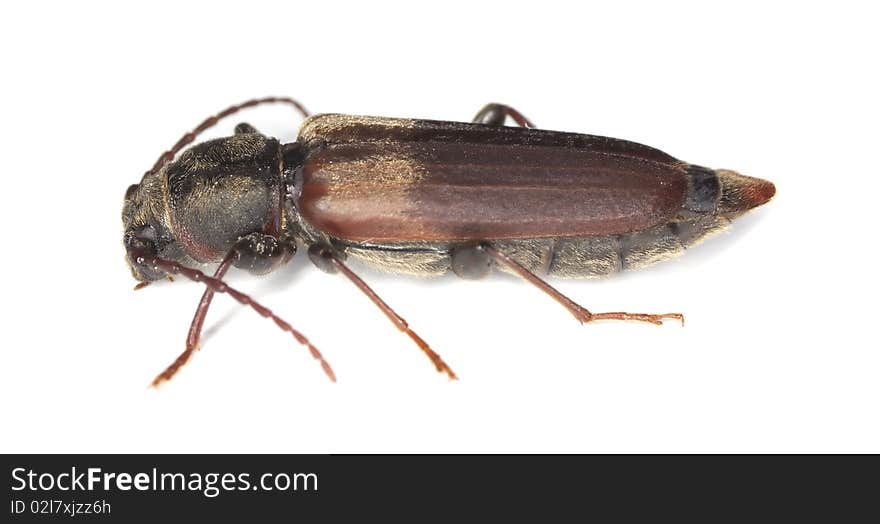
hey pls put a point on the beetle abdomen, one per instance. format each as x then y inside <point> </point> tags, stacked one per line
<point>591,257</point>
<point>723,191</point>
<point>577,257</point>
<point>740,193</point>
<point>713,199</point>
<point>703,192</point>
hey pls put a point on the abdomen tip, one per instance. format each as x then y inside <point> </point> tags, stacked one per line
<point>740,193</point>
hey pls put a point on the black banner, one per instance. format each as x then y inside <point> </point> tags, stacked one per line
<point>155,488</point>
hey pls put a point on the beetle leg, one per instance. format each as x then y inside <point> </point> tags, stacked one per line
<point>470,262</point>
<point>257,253</point>
<point>329,261</point>
<point>581,313</point>
<point>496,114</point>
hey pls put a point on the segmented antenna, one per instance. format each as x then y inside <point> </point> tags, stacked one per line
<point>167,156</point>
<point>219,286</point>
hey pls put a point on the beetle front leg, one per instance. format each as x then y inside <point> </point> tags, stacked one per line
<point>581,313</point>
<point>496,114</point>
<point>256,253</point>
<point>260,254</point>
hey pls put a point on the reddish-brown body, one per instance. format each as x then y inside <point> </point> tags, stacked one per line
<point>404,194</point>
<point>442,191</point>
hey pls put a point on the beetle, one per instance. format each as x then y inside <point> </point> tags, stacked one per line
<point>421,197</point>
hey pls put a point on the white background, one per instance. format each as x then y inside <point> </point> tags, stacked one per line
<point>779,353</point>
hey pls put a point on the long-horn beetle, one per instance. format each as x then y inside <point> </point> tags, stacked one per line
<point>421,197</point>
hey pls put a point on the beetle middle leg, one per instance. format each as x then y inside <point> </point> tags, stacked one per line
<point>256,253</point>
<point>329,261</point>
<point>495,115</point>
<point>581,313</point>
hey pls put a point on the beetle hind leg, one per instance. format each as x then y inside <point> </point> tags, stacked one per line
<point>330,261</point>
<point>579,312</point>
<point>495,115</point>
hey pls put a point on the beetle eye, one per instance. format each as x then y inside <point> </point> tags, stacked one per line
<point>142,241</point>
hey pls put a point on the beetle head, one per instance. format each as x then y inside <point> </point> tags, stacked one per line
<point>146,229</point>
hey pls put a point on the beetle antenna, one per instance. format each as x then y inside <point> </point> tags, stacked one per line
<point>219,286</point>
<point>195,328</point>
<point>167,156</point>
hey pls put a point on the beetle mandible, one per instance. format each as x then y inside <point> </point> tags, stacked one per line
<point>421,197</point>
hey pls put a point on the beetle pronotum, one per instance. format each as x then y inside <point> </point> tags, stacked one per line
<point>422,197</point>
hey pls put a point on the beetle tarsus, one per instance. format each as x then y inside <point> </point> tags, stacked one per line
<point>438,362</point>
<point>173,368</point>
<point>656,319</point>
